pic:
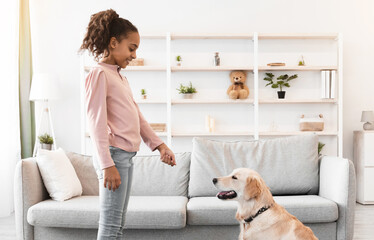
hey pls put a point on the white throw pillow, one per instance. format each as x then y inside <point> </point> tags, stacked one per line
<point>59,176</point>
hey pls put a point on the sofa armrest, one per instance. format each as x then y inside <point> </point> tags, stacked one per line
<point>29,189</point>
<point>338,183</point>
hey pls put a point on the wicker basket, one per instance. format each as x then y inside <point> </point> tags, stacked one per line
<point>312,124</point>
<point>158,127</point>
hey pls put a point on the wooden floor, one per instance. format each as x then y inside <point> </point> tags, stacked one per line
<point>364,224</point>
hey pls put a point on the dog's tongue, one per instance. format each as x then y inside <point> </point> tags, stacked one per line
<point>226,194</point>
<point>223,193</point>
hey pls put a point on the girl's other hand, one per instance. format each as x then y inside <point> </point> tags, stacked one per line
<point>112,179</point>
<point>166,155</point>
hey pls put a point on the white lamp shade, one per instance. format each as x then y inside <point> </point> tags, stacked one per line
<point>367,116</point>
<point>43,87</point>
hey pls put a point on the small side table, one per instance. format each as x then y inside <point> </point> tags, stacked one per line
<point>363,154</point>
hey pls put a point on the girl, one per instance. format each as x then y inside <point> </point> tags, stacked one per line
<point>116,124</point>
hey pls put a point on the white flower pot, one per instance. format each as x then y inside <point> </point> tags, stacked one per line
<point>47,146</point>
<point>187,95</point>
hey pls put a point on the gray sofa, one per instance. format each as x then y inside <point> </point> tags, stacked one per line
<point>179,202</point>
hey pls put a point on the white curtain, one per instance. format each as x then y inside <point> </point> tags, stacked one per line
<point>10,147</point>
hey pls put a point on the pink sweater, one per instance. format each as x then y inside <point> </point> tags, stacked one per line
<point>114,119</point>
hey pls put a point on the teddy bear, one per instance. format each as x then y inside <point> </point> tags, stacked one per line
<point>238,89</point>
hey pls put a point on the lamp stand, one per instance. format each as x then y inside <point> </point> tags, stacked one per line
<point>368,126</point>
<point>47,109</point>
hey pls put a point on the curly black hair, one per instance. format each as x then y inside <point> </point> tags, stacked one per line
<point>102,27</point>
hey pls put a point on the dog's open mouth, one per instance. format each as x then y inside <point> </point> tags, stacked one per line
<point>227,195</point>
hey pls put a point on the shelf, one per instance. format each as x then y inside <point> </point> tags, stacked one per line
<point>144,68</point>
<point>150,101</point>
<point>292,133</point>
<point>238,101</point>
<point>135,68</point>
<point>331,36</point>
<point>296,68</point>
<point>296,101</point>
<point>160,134</point>
<point>224,68</point>
<point>211,36</point>
<point>322,133</point>
<point>153,36</point>
<point>211,101</point>
<point>216,134</point>
<point>212,68</point>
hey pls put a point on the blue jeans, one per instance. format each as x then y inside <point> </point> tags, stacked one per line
<point>113,205</point>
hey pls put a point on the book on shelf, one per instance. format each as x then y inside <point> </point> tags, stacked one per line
<point>333,84</point>
<point>328,83</point>
<point>323,84</point>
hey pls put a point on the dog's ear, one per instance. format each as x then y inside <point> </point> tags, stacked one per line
<point>252,188</point>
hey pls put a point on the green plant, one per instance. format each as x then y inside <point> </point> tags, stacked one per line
<point>179,58</point>
<point>302,62</point>
<point>46,139</point>
<point>283,80</point>
<point>143,92</point>
<point>186,89</point>
<point>320,146</point>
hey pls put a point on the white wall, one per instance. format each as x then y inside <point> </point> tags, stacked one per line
<point>9,120</point>
<point>58,26</point>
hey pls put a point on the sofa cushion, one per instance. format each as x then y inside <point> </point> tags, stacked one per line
<point>157,212</point>
<point>307,208</point>
<point>211,211</point>
<point>153,212</point>
<point>310,208</point>
<point>172,181</point>
<point>59,176</point>
<point>288,165</point>
<point>152,177</point>
<point>86,172</point>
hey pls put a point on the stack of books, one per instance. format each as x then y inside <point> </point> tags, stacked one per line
<point>328,83</point>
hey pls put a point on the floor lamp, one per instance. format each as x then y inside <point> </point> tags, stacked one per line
<point>43,90</point>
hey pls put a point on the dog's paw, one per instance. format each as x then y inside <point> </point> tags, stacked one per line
<point>239,217</point>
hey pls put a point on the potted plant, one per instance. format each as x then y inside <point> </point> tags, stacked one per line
<point>46,141</point>
<point>320,146</point>
<point>302,62</point>
<point>144,93</point>
<point>283,81</point>
<point>179,60</point>
<point>187,91</point>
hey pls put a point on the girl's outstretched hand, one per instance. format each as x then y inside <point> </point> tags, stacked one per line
<point>166,155</point>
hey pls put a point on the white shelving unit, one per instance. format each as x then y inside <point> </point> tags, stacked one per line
<point>259,103</point>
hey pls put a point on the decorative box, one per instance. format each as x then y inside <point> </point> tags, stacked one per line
<point>137,62</point>
<point>312,123</point>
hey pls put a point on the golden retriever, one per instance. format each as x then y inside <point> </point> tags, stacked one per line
<point>260,217</point>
